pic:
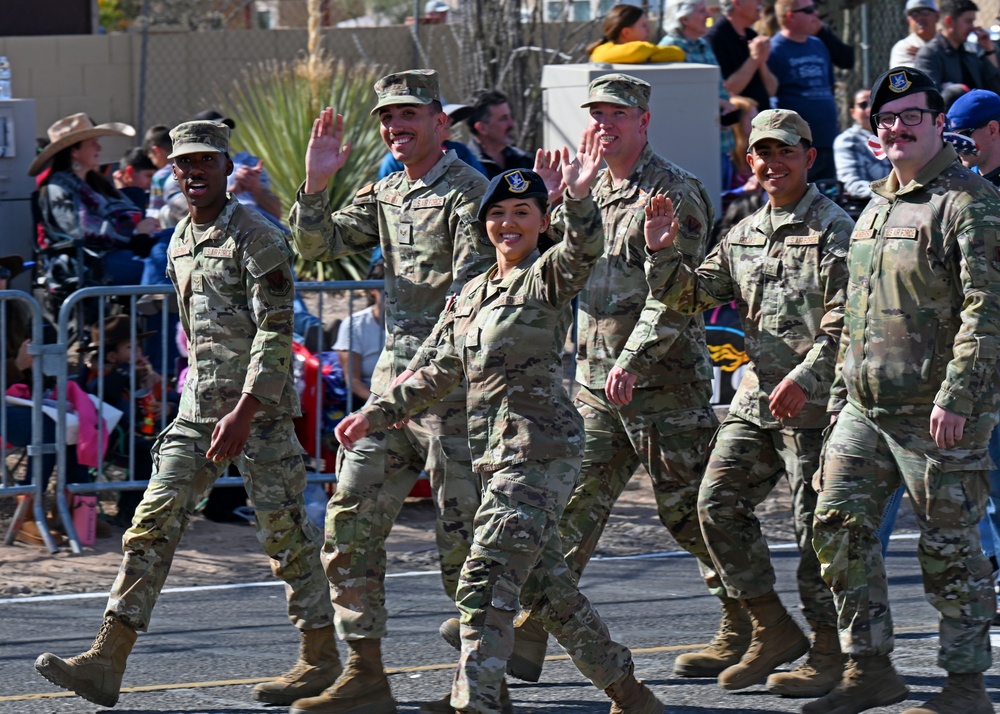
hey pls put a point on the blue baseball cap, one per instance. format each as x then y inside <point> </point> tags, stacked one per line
<point>974,109</point>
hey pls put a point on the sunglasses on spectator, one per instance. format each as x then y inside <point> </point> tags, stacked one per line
<point>909,117</point>
<point>863,105</point>
<point>4,273</point>
<point>968,132</point>
<point>807,10</point>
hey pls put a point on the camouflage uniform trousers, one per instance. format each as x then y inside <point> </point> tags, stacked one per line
<point>373,480</point>
<point>864,461</point>
<point>516,534</point>
<point>745,465</point>
<point>671,444</point>
<point>274,476</point>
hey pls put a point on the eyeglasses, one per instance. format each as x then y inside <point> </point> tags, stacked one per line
<point>807,10</point>
<point>909,117</point>
<point>968,132</point>
<point>862,105</point>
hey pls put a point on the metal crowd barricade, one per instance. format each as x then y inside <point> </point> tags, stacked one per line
<point>349,286</point>
<point>35,488</point>
<point>164,295</point>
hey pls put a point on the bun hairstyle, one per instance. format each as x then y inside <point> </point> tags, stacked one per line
<point>619,17</point>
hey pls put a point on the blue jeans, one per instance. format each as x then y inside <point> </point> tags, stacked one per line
<point>122,267</point>
<point>18,424</point>
<point>992,519</point>
<point>889,518</point>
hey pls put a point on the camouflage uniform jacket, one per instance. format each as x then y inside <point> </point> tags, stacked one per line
<point>922,323</point>
<point>234,290</point>
<point>789,285</point>
<point>617,324</point>
<point>431,241</point>
<point>509,336</point>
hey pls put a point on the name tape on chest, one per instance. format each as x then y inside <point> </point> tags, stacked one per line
<point>811,239</point>
<point>218,252</point>
<point>435,202</point>
<point>178,250</point>
<point>906,233</point>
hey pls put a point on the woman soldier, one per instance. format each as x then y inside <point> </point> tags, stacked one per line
<point>505,333</point>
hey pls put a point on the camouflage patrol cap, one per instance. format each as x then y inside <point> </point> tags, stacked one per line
<point>194,136</point>
<point>782,124</point>
<point>415,86</point>
<point>621,89</point>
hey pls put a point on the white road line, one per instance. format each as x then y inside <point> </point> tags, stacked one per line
<point>408,574</point>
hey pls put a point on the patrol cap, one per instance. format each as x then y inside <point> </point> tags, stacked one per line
<point>414,86</point>
<point>898,82</point>
<point>912,5</point>
<point>974,109</point>
<point>621,89</point>
<point>193,137</point>
<point>782,124</point>
<point>515,183</point>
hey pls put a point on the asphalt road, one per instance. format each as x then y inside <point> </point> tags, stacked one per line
<point>207,647</point>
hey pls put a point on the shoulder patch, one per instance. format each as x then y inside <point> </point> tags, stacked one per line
<point>277,283</point>
<point>365,194</point>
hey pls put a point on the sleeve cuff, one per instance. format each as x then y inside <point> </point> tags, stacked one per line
<point>953,402</point>
<point>804,377</point>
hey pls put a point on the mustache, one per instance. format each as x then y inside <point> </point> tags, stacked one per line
<point>902,135</point>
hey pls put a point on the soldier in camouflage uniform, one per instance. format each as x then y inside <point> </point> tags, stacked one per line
<point>506,331</point>
<point>784,267</point>
<point>917,392</point>
<point>424,218</point>
<point>233,274</point>
<point>644,373</point>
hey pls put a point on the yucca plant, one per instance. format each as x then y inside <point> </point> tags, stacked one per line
<point>275,104</point>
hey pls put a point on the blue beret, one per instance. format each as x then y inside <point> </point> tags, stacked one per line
<point>516,183</point>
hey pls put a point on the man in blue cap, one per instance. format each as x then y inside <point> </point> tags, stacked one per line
<point>976,114</point>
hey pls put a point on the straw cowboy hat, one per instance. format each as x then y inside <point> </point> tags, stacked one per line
<point>72,130</point>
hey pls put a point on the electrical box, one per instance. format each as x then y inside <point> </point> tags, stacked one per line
<point>684,104</point>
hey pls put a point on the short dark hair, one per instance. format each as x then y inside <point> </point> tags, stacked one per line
<point>481,102</point>
<point>137,159</point>
<point>158,135</point>
<point>954,8</point>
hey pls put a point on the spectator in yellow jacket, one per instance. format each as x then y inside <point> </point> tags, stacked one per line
<point>626,40</point>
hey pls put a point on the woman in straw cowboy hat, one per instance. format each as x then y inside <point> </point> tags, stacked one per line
<point>76,201</point>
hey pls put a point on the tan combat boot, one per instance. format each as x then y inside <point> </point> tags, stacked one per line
<point>530,643</point>
<point>443,705</point>
<point>868,682</point>
<point>776,639</point>
<point>362,688</point>
<point>962,694</point>
<point>317,668</point>
<point>631,696</point>
<point>725,649</point>
<point>819,674</point>
<point>96,675</point>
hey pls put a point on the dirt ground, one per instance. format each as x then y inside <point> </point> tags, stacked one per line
<point>221,553</point>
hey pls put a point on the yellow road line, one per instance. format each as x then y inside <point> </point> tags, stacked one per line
<point>398,670</point>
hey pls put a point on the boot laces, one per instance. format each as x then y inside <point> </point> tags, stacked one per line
<point>99,642</point>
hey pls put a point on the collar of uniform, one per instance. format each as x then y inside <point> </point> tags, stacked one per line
<point>515,271</point>
<point>606,186</point>
<point>889,186</point>
<point>437,171</point>
<point>762,219</point>
<point>222,219</point>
